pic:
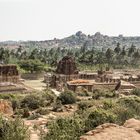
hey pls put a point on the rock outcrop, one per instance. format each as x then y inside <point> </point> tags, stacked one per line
<point>133,123</point>
<point>77,40</point>
<point>6,107</point>
<point>108,131</point>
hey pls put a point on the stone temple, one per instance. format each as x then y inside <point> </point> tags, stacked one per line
<point>10,79</point>
<point>68,75</point>
<point>67,66</point>
<point>9,73</point>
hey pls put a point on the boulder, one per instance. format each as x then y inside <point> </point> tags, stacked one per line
<point>6,107</point>
<point>133,123</point>
<point>110,131</point>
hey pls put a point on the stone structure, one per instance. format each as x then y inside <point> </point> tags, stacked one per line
<point>67,66</point>
<point>87,84</point>
<point>9,73</point>
<point>67,71</point>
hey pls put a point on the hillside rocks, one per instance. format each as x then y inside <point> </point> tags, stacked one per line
<point>110,131</point>
<point>77,40</point>
<point>6,107</point>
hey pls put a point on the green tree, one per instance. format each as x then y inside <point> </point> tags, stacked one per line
<point>117,50</point>
<point>31,65</point>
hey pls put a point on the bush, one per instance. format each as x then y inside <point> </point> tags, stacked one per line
<point>7,96</point>
<point>98,117</point>
<point>26,113</point>
<point>57,106</point>
<point>65,129</point>
<point>84,105</point>
<point>108,104</point>
<point>106,94</point>
<point>136,91</point>
<point>131,103</point>
<point>80,91</point>
<point>31,101</point>
<point>67,97</point>
<point>42,111</point>
<point>33,116</point>
<point>15,104</point>
<point>49,98</point>
<point>123,114</point>
<point>13,130</point>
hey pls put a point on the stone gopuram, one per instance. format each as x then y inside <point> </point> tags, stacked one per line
<point>9,73</point>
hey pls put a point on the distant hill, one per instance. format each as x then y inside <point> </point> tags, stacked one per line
<point>77,40</point>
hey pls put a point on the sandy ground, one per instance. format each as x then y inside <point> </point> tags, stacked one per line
<point>35,84</point>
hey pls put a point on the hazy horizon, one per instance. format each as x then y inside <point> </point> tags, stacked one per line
<point>48,19</point>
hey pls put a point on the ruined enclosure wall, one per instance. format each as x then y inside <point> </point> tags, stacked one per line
<point>9,73</point>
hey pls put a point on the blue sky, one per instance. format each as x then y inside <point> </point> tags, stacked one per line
<point>47,19</point>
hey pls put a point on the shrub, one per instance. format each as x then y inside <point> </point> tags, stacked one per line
<point>136,91</point>
<point>123,114</point>
<point>84,105</point>
<point>48,98</point>
<point>42,111</point>
<point>13,130</point>
<point>131,103</point>
<point>108,104</point>
<point>57,106</point>
<point>98,117</point>
<point>96,96</point>
<point>106,94</point>
<point>80,91</point>
<point>67,97</point>
<point>26,113</point>
<point>15,104</point>
<point>31,101</point>
<point>33,116</point>
<point>65,129</point>
<point>19,112</point>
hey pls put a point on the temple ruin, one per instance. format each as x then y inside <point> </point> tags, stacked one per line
<point>67,66</point>
<point>9,73</point>
<point>10,79</point>
<point>67,75</point>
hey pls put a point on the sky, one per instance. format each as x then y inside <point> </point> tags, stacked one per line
<point>48,19</point>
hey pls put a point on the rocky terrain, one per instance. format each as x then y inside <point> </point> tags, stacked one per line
<point>108,131</point>
<point>77,40</point>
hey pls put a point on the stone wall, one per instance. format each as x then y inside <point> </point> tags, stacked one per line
<point>9,73</point>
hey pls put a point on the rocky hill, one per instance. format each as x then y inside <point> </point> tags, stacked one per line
<point>77,40</point>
